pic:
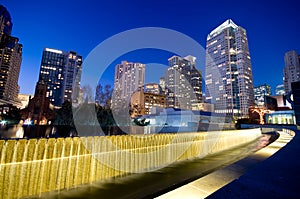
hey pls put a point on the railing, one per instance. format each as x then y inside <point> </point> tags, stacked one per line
<point>35,166</point>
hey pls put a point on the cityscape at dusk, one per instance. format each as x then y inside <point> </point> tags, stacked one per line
<point>81,26</point>
<point>149,99</point>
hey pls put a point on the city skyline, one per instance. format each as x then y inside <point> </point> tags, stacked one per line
<point>53,31</point>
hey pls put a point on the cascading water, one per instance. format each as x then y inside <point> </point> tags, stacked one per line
<point>35,166</point>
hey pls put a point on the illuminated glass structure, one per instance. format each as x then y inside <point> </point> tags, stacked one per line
<point>10,61</point>
<point>183,83</point>
<point>228,78</point>
<point>260,92</point>
<point>61,72</point>
<point>129,78</point>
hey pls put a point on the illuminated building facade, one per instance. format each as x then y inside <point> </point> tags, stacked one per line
<point>291,70</point>
<point>72,74</point>
<point>10,61</point>
<point>61,71</point>
<point>129,78</point>
<point>260,92</point>
<point>183,83</point>
<point>143,102</point>
<point>153,88</point>
<point>228,78</point>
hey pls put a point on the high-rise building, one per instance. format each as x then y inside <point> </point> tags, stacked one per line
<point>280,89</point>
<point>72,75</point>
<point>10,61</point>
<point>228,78</point>
<point>260,93</point>
<point>183,83</point>
<point>61,72</point>
<point>291,70</point>
<point>129,78</point>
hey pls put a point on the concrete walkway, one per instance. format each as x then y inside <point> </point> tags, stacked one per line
<point>261,175</point>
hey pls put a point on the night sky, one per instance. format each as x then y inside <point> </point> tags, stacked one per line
<point>272,29</point>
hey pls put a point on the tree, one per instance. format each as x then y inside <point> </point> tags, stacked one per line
<point>64,115</point>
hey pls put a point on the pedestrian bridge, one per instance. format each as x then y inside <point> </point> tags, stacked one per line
<point>36,166</point>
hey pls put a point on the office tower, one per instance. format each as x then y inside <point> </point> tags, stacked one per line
<point>260,93</point>
<point>129,78</point>
<point>280,89</point>
<point>61,72</point>
<point>291,70</point>
<point>228,78</point>
<point>10,61</point>
<point>72,77</point>
<point>183,83</point>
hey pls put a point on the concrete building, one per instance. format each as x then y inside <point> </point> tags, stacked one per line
<point>183,83</point>
<point>10,61</point>
<point>153,88</point>
<point>291,70</point>
<point>260,93</point>
<point>228,78</point>
<point>282,102</point>
<point>280,89</point>
<point>143,102</point>
<point>61,72</point>
<point>129,78</point>
<point>24,99</point>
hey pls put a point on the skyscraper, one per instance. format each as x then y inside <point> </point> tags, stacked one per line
<point>228,78</point>
<point>260,93</point>
<point>129,78</point>
<point>72,74</point>
<point>61,72</point>
<point>291,70</point>
<point>183,83</point>
<point>10,60</point>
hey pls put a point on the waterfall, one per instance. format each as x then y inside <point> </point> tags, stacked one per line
<point>35,166</point>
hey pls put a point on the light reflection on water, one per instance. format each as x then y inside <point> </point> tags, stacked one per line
<point>151,184</point>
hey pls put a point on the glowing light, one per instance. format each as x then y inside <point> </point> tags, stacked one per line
<point>53,51</point>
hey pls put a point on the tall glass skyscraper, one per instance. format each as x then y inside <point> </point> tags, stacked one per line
<point>228,78</point>
<point>61,72</point>
<point>183,83</point>
<point>10,61</point>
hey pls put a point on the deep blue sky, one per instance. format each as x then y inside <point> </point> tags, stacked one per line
<point>272,29</point>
